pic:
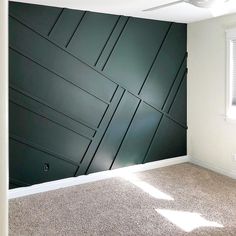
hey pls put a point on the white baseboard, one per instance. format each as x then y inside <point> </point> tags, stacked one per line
<point>53,185</point>
<point>213,167</point>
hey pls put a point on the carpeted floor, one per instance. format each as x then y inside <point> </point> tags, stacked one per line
<point>177,200</point>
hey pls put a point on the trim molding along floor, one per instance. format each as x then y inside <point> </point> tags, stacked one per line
<point>48,186</point>
<point>215,168</point>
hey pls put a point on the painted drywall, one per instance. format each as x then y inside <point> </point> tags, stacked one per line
<point>211,140</point>
<point>3,117</point>
<point>91,92</point>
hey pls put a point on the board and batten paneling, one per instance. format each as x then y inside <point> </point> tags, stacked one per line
<point>92,92</point>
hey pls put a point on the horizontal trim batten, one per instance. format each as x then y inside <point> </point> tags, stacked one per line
<point>41,149</point>
<point>44,116</point>
<point>53,72</point>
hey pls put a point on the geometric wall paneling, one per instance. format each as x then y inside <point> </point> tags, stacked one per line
<point>135,51</point>
<point>92,32</point>
<point>138,138</point>
<point>46,134</point>
<point>92,92</point>
<point>111,42</point>
<point>65,26</point>
<point>88,158</point>
<point>37,17</point>
<point>178,109</point>
<point>169,141</point>
<point>116,131</point>
<point>43,110</point>
<point>55,91</point>
<point>50,56</point>
<point>175,86</point>
<point>166,66</point>
<point>32,166</point>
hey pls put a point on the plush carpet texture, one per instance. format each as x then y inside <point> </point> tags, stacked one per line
<point>178,200</point>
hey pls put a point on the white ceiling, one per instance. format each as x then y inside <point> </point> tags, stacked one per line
<point>182,12</point>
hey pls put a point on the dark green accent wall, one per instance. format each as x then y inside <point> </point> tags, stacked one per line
<point>92,92</point>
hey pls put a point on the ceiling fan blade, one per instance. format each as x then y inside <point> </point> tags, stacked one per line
<point>165,5</point>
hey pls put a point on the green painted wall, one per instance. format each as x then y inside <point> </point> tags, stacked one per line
<point>92,92</point>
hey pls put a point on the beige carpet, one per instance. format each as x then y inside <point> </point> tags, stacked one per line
<point>177,200</point>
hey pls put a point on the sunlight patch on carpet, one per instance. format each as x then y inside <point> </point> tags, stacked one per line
<point>187,221</point>
<point>146,187</point>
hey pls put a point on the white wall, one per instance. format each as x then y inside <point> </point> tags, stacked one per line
<point>3,117</point>
<point>211,140</point>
